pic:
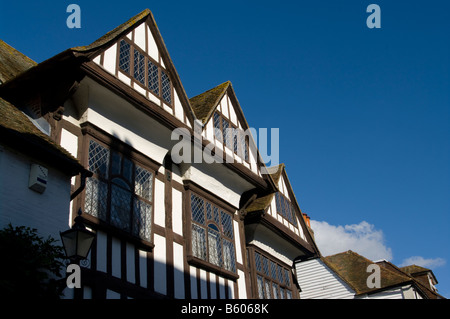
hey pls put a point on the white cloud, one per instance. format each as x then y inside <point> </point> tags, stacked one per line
<point>430,263</point>
<point>361,238</point>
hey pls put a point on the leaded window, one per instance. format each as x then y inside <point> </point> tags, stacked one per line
<point>272,279</point>
<point>120,192</point>
<point>139,67</point>
<point>153,77</point>
<point>124,56</point>
<point>166,88</point>
<point>285,208</point>
<point>145,71</point>
<point>212,234</point>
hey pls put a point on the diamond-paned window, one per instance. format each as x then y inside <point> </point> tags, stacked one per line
<point>273,280</point>
<point>285,208</point>
<point>153,77</point>
<point>124,56</point>
<point>119,193</point>
<point>98,159</point>
<point>166,88</point>
<point>212,234</point>
<point>217,126</point>
<point>139,67</point>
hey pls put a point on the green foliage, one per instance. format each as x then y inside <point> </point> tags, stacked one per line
<point>30,266</point>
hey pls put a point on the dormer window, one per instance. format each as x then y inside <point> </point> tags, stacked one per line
<point>144,71</point>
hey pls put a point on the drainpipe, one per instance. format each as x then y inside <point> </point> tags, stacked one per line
<point>84,175</point>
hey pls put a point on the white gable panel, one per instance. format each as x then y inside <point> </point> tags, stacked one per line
<point>179,112</point>
<point>139,36</point>
<point>224,106</point>
<point>152,47</point>
<point>109,59</point>
<point>233,117</point>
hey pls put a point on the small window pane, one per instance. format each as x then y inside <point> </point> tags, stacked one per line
<point>287,279</point>
<point>267,289</point>
<point>166,88</point>
<point>260,282</point>
<point>273,270</point>
<point>143,183</point>
<point>139,67</point>
<point>116,163</point>
<point>229,262</point>
<point>96,198</point>
<point>275,291</point>
<point>258,262</point>
<point>227,225</point>
<point>124,56</point>
<point>198,242</point>
<point>214,247</point>
<point>209,211</point>
<point>265,263</point>
<point>226,132</point>
<point>280,274</point>
<point>142,219</point>
<point>197,209</point>
<point>153,77</point>
<point>217,127</point>
<point>120,207</point>
<point>98,159</point>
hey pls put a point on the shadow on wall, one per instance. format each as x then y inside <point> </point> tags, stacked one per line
<point>168,282</point>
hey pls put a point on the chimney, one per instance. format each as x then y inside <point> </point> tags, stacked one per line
<point>306,217</point>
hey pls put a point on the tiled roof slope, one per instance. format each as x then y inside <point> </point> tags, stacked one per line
<point>16,127</point>
<point>352,268</point>
<point>12,62</point>
<point>203,104</point>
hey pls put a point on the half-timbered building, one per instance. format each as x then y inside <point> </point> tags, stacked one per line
<point>225,226</point>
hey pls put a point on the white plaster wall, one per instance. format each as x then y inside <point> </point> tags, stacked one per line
<point>122,120</point>
<point>178,260</point>
<point>160,284</point>
<point>109,59</point>
<point>177,211</point>
<point>159,209</point>
<point>153,51</point>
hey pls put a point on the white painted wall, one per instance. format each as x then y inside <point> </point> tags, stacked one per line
<point>21,206</point>
<point>317,281</point>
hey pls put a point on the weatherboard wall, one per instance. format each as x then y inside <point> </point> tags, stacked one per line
<point>317,281</point>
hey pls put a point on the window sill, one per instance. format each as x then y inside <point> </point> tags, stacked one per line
<point>195,261</point>
<point>98,224</point>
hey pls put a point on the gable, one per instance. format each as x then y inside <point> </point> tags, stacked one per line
<point>225,126</point>
<point>137,56</point>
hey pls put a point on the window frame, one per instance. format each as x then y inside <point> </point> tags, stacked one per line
<point>137,160</point>
<point>292,208</point>
<point>147,59</point>
<point>215,202</point>
<point>268,278</point>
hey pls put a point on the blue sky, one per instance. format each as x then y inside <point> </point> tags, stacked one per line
<point>364,114</point>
